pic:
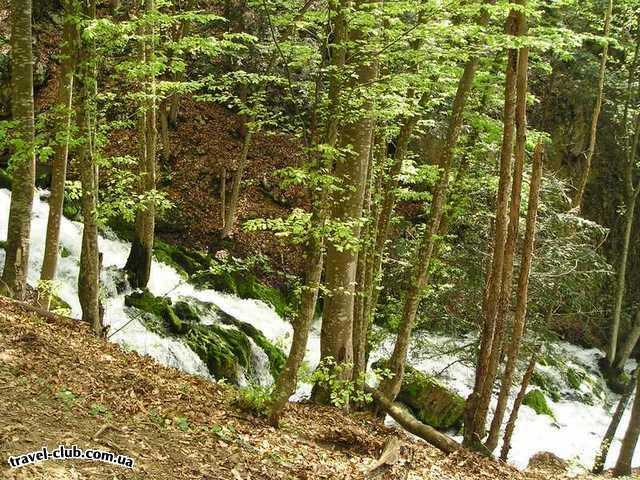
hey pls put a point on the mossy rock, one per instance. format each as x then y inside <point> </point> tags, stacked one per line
<point>224,349</point>
<point>536,400</point>
<point>276,356</point>
<point>546,384</point>
<point>430,402</point>
<point>185,261</point>
<point>3,244</point>
<point>160,307</point>
<point>64,252</point>
<point>5,179</point>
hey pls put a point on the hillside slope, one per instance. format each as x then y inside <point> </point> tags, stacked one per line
<point>58,384</point>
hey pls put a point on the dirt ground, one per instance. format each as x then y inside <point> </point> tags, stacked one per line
<point>61,385</point>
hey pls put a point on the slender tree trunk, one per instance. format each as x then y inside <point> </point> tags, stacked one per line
<point>139,262</point>
<point>631,193</point>
<point>584,176</point>
<point>89,276</point>
<point>474,424</point>
<point>506,287</point>
<point>513,417</point>
<point>522,296</point>
<point>623,465</point>
<point>603,451</point>
<point>16,264</point>
<point>163,112</point>
<point>232,205</point>
<point>174,101</point>
<point>391,386</point>
<point>286,383</point>
<point>59,162</point>
<point>360,321</point>
<point>631,340</point>
<point>223,195</point>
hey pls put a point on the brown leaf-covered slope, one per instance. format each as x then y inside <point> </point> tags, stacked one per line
<point>178,426</point>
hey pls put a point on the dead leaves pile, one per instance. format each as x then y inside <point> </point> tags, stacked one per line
<point>58,384</point>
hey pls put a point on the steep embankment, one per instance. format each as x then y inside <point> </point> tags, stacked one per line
<point>58,384</point>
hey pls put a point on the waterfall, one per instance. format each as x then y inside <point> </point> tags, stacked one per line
<point>575,434</point>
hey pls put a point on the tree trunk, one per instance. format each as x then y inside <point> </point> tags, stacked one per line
<point>89,276</point>
<point>232,205</point>
<point>59,162</point>
<point>522,296</point>
<point>286,383</point>
<point>506,287</point>
<point>391,386</point>
<point>584,176</point>
<point>163,112</point>
<point>627,347</point>
<point>223,195</point>
<point>511,423</point>
<point>16,264</point>
<point>360,320</point>
<point>603,451</point>
<point>475,424</point>
<point>623,465</point>
<point>139,262</point>
<point>409,422</point>
<point>336,336</point>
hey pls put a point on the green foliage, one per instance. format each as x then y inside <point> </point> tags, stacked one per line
<point>342,392</point>
<point>99,410</point>
<point>67,397</point>
<point>254,399</point>
<point>538,402</point>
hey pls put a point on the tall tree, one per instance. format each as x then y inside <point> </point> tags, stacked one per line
<point>391,386</point>
<point>139,261</point>
<point>89,276</point>
<point>522,297</point>
<point>475,413</point>
<point>631,189</point>
<point>595,116</point>
<point>16,264</point>
<point>63,122</point>
<point>355,140</point>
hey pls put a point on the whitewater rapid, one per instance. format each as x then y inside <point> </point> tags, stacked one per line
<point>575,434</point>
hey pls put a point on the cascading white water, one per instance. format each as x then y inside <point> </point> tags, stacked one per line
<point>576,435</point>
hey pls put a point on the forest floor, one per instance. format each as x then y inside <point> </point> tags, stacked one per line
<point>61,385</point>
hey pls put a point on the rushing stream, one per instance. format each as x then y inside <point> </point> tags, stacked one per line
<point>574,434</point>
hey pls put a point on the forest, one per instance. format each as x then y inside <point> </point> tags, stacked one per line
<point>346,239</point>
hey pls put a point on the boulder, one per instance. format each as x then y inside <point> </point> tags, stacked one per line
<point>430,402</point>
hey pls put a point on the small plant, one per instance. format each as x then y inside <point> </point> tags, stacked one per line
<point>47,295</point>
<point>182,423</point>
<point>254,399</point>
<point>158,419</point>
<point>342,391</point>
<point>67,397</point>
<point>98,410</point>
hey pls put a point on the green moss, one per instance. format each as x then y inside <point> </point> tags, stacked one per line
<point>546,384</point>
<point>575,378</point>
<point>536,400</point>
<point>3,244</point>
<point>430,401</point>
<point>64,252</point>
<point>276,356</point>
<point>185,261</point>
